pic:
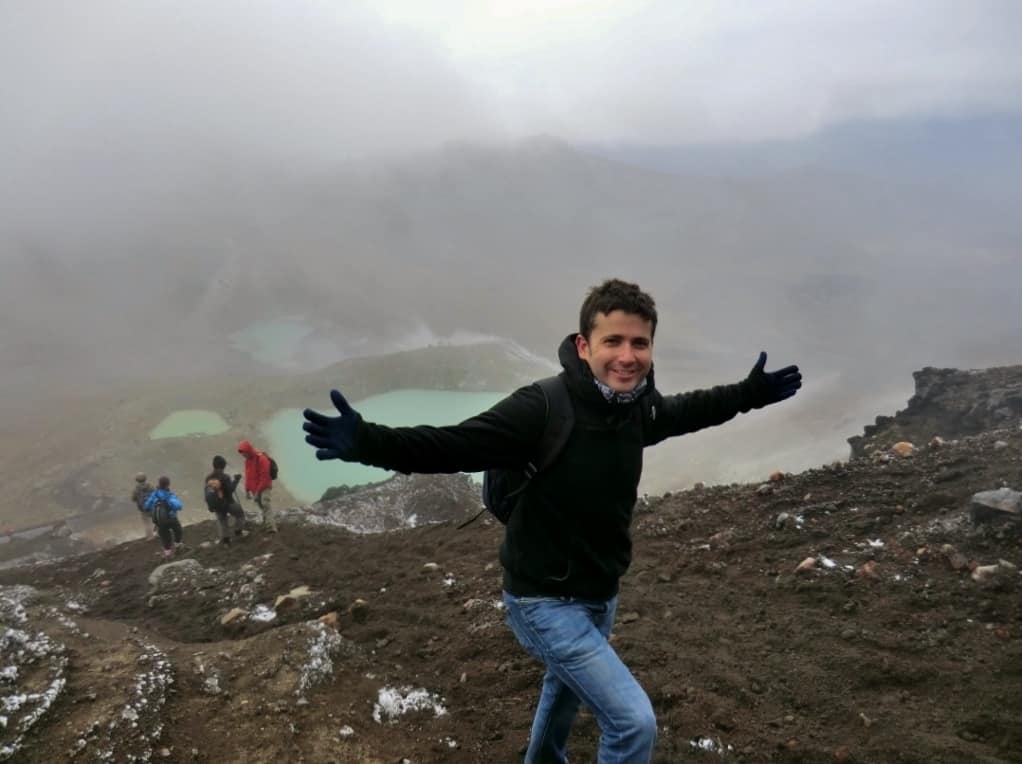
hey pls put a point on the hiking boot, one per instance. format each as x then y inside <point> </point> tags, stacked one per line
<point>226,541</point>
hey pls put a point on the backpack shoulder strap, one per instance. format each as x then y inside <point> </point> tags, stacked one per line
<point>560,419</point>
<point>647,412</point>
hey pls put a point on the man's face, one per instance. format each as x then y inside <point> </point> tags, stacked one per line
<point>619,349</point>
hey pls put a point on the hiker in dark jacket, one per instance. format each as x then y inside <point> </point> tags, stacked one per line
<point>164,506</point>
<point>138,496</point>
<point>567,543</point>
<point>225,504</point>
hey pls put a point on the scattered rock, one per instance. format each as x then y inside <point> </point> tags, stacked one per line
<point>807,565</point>
<point>232,615</point>
<point>359,610</point>
<point>868,570</point>
<point>992,506</point>
<point>188,566</point>
<point>903,448</point>
<point>990,573</point>
<point>722,537</point>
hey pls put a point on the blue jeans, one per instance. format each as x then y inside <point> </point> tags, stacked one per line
<point>570,637</point>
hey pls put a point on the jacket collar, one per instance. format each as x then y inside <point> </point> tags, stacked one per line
<point>580,377</point>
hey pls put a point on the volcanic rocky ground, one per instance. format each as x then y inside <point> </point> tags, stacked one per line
<point>864,611</point>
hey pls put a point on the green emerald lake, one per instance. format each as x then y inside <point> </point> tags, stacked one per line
<point>306,478</point>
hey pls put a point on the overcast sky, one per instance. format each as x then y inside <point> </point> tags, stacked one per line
<point>322,78</point>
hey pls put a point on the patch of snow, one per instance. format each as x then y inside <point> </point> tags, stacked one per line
<point>710,745</point>
<point>14,702</point>
<point>22,647</point>
<point>12,603</point>
<point>212,685</point>
<point>262,613</point>
<point>323,644</point>
<point>392,703</point>
<point>148,695</point>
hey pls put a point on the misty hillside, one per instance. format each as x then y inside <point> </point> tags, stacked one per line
<point>839,267</point>
<point>862,611</point>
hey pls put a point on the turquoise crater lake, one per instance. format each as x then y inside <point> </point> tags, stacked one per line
<point>306,478</point>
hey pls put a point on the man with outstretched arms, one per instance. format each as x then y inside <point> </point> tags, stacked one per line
<point>568,542</point>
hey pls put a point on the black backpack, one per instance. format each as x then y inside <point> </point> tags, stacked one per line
<point>501,487</point>
<point>140,497</point>
<point>162,514</point>
<point>273,467</point>
<point>214,494</point>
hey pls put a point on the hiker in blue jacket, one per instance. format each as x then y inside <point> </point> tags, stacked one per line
<point>164,506</point>
<point>568,542</point>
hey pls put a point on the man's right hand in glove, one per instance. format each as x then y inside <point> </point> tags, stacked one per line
<point>333,437</point>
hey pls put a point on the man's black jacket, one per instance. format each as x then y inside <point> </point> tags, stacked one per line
<point>569,534</point>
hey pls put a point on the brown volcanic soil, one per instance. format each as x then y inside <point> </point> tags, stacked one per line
<point>744,659</point>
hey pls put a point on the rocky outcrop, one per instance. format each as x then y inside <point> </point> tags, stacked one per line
<point>949,403</point>
<point>403,501</point>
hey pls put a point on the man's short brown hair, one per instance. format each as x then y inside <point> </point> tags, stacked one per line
<point>615,294</point>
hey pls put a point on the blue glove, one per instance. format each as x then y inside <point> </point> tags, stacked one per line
<point>333,437</point>
<point>772,386</point>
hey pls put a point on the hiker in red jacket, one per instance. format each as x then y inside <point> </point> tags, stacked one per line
<point>258,483</point>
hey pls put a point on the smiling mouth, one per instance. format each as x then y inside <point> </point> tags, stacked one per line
<point>625,376</point>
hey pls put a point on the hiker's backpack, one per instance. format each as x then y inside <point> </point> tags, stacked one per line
<point>162,514</point>
<point>214,494</point>
<point>273,467</point>
<point>140,497</point>
<point>502,487</point>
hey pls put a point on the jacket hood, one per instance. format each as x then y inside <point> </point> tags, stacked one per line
<point>580,376</point>
<point>245,449</point>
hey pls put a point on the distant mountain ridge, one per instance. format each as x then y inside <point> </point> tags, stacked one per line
<point>978,156</point>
